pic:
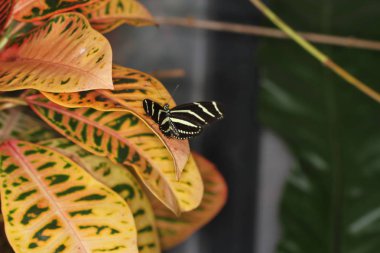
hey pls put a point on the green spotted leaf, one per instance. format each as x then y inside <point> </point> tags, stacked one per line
<point>131,87</point>
<point>172,229</point>
<point>63,55</point>
<point>121,181</point>
<point>32,10</point>
<point>118,12</point>
<point>125,139</point>
<point>93,6</point>
<point>16,123</point>
<point>50,204</point>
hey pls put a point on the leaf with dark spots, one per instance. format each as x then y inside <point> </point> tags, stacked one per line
<point>43,203</point>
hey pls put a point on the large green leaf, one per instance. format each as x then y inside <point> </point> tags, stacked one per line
<point>331,199</point>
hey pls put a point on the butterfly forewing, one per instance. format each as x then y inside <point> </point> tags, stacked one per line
<point>200,113</point>
<point>154,110</point>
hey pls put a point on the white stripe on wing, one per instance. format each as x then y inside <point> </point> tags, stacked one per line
<point>216,108</point>
<point>204,109</point>
<point>189,112</point>
<point>183,122</point>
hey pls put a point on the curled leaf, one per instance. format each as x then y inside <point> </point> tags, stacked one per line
<point>124,139</point>
<point>131,87</point>
<point>63,55</point>
<point>172,229</point>
<point>53,205</point>
<point>121,181</point>
<point>118,12</point>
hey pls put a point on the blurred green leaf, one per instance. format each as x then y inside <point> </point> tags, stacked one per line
<point>331,201</point>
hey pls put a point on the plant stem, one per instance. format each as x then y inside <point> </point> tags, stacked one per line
<point>255,30</point>
<point>13,100</point>
<point>315,52</point>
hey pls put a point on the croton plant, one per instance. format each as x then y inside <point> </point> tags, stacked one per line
<point>113,182</point>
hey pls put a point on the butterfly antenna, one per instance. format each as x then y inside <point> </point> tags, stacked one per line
<point>173,93</point>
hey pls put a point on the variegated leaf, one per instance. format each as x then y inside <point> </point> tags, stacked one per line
<point>125,139</point>
<point>15,123</point>
<point>93,6</point>
<point>6,7</point>
<point>50,204</point>
<point>174,230</point>
<point>121,181</point>
<point>63,55</point>
<point>118,12</point>
<point>131,87</point>
<point>33,10</point>
<point>5,247</point>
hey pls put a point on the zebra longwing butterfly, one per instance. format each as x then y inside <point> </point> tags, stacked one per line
<point>183,121</point>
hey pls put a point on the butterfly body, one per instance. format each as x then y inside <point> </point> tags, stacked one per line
<point>183,121</point>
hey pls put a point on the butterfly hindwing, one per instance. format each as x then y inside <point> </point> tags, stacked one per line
<point>182,128</point>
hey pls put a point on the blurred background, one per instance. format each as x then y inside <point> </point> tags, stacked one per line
<point>298,147</point>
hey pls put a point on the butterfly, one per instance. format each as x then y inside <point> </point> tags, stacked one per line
<point>183,121</point>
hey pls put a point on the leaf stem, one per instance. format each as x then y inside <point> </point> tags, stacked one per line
<point>10,102</point>
<point>254,30</point>
<point>315,52</point>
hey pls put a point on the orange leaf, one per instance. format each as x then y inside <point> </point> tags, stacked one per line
<point>33,10</point>
<point>63,55</point>
<point>174,230</point>
<point>131,87</point>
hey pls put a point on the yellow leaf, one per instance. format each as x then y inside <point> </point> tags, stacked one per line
<point>121,181</point>
<point>131,87</point>
<point>118,12</point>
<point>125,139</point>
<point>63,55</point>
<point>52,205</point>
<point>174,230</point>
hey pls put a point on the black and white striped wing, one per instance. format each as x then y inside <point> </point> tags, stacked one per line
<point>158,114</point>
<point>199,113</point>
<point>188,119</point>
<point>154,110</point>
<point>181,128</point>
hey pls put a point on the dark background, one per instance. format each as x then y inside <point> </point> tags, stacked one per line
<point>218,66</point>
